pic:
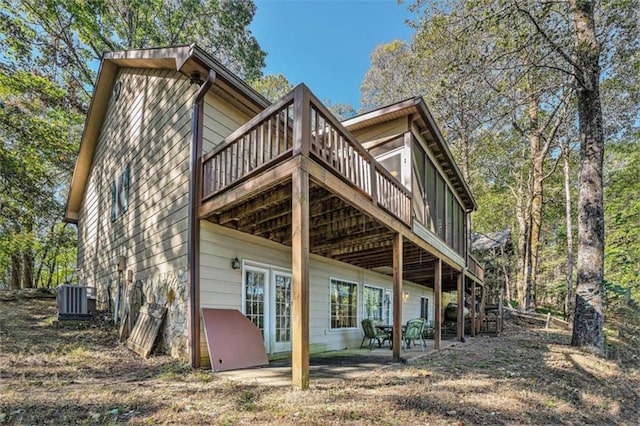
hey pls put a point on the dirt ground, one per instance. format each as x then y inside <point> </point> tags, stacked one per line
<point>54,373</point>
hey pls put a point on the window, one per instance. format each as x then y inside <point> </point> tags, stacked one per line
<point>424,308</point>
<point>418,184</point>
<point>449,216</point>
<point>120,194</point>
<point>344,304</point>
<point>440,207</point>
<point>388,307</point>
<point>431,197</point>
<point>372,303</point>
<point>461,230</point>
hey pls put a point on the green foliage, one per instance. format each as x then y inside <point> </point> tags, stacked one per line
<point>39,139</point>
<point>622,216</point>
<point>50,51</point>
<point>341,111</point>
<point>73,34</point>
<point>272,86</point>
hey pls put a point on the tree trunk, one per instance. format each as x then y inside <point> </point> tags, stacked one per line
<point>589,314</point>
<point>27,270</point>
<point>27,259</point>
<point>16,267</point>
<point>537,163</point>
<point>523,285</point>
<point>568,302</point>
<point>507,281</point>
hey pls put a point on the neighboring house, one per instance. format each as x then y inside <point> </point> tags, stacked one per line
<point>217,199</point>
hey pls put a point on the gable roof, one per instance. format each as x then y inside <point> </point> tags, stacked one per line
<point>186,59</point>
<point>421,116</point>
<point>191,59</point>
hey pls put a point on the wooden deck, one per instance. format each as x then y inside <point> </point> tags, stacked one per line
<point>293,174</point>
<point>247,186</point>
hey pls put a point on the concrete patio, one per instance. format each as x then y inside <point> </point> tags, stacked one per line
<point>328,366</point>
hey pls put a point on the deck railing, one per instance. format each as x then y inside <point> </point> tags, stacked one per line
<point>474,267</point>
<point>259,143</point>
<point>299,123</point>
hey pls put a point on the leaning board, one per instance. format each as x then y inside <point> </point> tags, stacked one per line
<point>146,329</point>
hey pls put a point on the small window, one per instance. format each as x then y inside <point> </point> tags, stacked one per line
<point>344,304</point>
<point>372,303</point>
<point>120,194</point>
<point>424,308</point>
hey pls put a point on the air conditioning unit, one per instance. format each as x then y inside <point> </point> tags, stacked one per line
<point>73,302</point>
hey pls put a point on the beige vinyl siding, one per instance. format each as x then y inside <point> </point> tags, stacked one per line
<point>221,286</point>
<point>149,128</point>
<point>382,130</point>
<point>220,120</point>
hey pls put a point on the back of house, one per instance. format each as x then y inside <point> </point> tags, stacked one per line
<point>193,189</point>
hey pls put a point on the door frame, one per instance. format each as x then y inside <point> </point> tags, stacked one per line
<point>271,346</point>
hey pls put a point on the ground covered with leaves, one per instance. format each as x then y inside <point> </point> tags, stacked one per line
<point>79,374</point>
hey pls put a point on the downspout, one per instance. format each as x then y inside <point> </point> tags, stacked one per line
<point>195,196</point>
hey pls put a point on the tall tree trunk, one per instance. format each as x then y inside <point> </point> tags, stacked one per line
<point>568,302</point>
<point>27,270</point>
<point>523,265</point>
<point>16,267</point>
<point>537,164</point>
<point>589,314</point>
<point>27,260</point>
<point>507,281</point>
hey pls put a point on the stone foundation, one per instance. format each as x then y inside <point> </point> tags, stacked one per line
<point>168,289</point>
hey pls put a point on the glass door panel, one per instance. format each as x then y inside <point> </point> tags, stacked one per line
<point>282,311</point>
<point>255,280</point>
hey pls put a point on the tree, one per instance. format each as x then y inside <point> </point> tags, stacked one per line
<point>391,76</point>
<point>622,215</point>
<point>47,70</point>
<point>575,40</point>
<point>39,139</point>
<point>341,111</point>
<point>272,86</point>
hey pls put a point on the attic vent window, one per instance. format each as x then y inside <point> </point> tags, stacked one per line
<point>116,90</point>
<point>120,194</point>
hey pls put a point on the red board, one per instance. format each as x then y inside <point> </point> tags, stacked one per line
<point>234,342</point>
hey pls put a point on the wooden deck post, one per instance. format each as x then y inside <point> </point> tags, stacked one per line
<point>397,296</point>
<point>460,331</point>
<point>437,304</point>
<point>300,270</point>
<point>473,309</point>
<point>302,121</point>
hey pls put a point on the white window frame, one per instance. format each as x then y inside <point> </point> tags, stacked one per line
<point>382,294</point>
<point>403,164</point>
<point>428,304</point>
<point>357,304</point>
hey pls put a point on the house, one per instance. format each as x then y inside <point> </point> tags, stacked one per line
<point>192,186</point>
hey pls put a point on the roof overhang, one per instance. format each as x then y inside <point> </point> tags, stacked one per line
<point>417,109</point>
<point>186,59</point>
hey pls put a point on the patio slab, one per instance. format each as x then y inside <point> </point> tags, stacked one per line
<point>331,366</point>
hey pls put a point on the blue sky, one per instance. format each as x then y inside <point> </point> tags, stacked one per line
<point>326,44</point>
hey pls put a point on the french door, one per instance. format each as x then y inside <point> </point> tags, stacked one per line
<point>267,303</point>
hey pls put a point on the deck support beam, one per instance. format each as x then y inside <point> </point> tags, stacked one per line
<point>437,296</point>
<point>397,296</point>
<point>460,330</point>
<point>300,270</point>
<point>473,310</point>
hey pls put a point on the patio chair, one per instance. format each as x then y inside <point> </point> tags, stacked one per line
<point>429,330</point>
<point>413,332</point>
<point>373,334</point>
